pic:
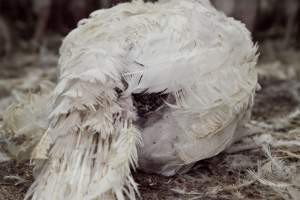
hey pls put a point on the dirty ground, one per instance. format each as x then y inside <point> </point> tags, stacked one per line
<point>263,165</point>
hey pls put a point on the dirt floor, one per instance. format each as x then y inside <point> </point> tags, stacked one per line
<point>236,174</point>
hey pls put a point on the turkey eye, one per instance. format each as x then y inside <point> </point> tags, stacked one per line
<point>118,91</point>
<point>147,106</point>
<point>146,103</point>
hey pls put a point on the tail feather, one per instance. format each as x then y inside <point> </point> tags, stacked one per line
<point>92,147</point>
<point>83,165</point>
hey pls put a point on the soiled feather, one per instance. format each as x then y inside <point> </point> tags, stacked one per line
<point>25,122</point>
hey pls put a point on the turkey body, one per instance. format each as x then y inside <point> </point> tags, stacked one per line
<point>200,62</point>
<point>203,60</point>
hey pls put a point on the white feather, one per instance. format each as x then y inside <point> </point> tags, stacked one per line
<point>184,48</point>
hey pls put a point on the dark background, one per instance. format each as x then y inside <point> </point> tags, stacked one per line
<point>27,24</point>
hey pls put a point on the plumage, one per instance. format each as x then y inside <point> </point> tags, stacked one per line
<point>200,61</point>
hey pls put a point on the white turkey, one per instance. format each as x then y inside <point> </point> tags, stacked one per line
<point>160,84</point>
